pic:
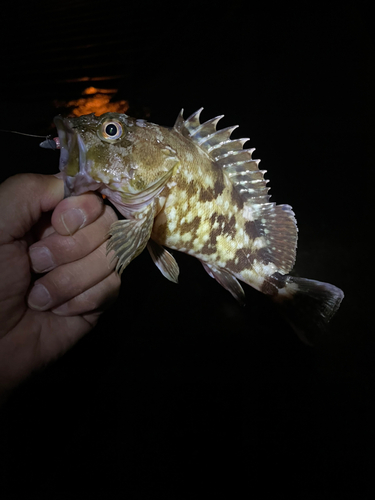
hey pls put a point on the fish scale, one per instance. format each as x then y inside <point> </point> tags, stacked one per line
<point>195,190</point>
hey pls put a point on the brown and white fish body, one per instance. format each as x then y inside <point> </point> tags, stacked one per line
<point>193,189</point>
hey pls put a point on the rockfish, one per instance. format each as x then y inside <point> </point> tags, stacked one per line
<point>193,189</point>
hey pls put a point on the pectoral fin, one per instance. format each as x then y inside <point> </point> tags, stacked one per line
<point>129,237</point>
<point>164,261</point>
<point>226,280</point>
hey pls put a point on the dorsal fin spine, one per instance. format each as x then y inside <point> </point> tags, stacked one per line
<point>210,123</point>
<point>217,137</point>
<point>257,174</point>
<point>193,121</point>
<point>179,121</point>
<point>234,152</point>
<point>227,147</point>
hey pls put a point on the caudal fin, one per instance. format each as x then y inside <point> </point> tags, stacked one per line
<point>308,306</point>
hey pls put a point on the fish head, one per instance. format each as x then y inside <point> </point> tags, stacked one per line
<point>96,151</point>
<point>128,160</point>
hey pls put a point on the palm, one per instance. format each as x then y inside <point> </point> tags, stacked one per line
<point>79,280</point>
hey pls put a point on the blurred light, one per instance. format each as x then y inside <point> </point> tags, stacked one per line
<point>94,90</point>
<point>94,100</point>
<point>92,79</point>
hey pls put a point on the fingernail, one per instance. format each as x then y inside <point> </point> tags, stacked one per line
<point>39,297</point>
<point>41,259</point>
<point>73,219</point>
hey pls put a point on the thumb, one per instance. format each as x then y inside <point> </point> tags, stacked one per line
<point>23,198</point>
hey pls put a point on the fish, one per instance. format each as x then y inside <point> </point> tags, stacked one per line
<point>193,189</point>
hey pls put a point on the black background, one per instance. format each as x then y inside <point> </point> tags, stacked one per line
<point>179,392</point>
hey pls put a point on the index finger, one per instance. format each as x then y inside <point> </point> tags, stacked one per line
<point>76,212</point>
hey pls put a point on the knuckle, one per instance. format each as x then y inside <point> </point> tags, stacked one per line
<point>62,279</point>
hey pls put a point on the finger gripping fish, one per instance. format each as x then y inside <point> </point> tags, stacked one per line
<point>193,189</point>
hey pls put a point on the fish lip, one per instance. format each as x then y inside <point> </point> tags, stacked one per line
<point>69,139</point>
<point>66,134</point>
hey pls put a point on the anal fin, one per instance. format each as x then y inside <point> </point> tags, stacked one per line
<point>164,261</point>
<point>226,280</point>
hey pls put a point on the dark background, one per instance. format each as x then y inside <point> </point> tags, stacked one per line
<point>179,392</point>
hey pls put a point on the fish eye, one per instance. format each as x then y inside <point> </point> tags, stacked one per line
<point>111,130</point>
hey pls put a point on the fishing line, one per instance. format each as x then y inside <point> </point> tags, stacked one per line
<point>23,133</point>
<point>48,143</point>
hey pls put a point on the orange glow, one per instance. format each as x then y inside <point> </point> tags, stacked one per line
<point>94,78</point>
<point>94,100</point>
<point>94,90</point>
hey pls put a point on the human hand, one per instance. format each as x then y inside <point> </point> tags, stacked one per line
<point>40,320</point>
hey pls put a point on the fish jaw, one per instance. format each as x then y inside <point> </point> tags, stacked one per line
<point>74,164</point>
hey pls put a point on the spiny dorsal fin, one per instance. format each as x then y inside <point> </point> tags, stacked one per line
<point>276,224</point>
<point>228,154</point>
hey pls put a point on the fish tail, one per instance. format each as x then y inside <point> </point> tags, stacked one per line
<point>308,305</point>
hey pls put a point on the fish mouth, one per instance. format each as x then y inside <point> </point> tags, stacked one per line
<point>73,156</point>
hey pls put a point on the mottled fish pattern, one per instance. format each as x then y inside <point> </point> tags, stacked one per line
<point>193,189</point>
